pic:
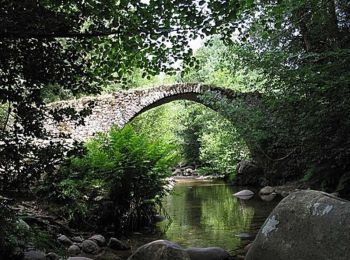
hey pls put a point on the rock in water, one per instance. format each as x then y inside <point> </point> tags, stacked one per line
<point>160,250</point>
<point>208,253</point>
<point>99,239</point>
<point>269,197</point>
<point>305,225</point>
<point>244,194</point>
<point>73,250</point>
<point>244,236</point>
<point>266,190</point>
<point>90,247</point>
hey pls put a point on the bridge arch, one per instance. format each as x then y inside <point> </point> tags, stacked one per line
<point>121,107</point>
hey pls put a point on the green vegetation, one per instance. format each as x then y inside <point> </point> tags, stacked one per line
<point>117,182</point>
<point>295,55</point>
<point>200,136</point>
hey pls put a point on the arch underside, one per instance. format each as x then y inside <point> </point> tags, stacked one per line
<point>183,96</point>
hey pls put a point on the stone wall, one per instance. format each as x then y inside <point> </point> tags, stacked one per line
<point>121,107</point>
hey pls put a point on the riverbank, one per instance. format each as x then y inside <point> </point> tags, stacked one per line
<point>200,212</point>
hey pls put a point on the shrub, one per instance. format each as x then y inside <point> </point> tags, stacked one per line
<point>121,169</point>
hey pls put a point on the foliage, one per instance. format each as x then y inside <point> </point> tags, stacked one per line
<point>217,64</point>
<point>14,234</point>
<point>122,167</point>
<point>296,54</point>
<point>6,227</point>
<point>200,135</point>
<point>222,148</point>
<point>59,49</point>
<point>305,60</point>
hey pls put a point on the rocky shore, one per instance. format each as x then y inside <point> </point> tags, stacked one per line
<point>306,224</point>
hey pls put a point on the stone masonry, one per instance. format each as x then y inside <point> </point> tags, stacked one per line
<point>120,107</point>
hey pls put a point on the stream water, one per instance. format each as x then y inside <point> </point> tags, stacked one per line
<point>204,214</point>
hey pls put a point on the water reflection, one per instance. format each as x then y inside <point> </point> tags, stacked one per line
<point>207,215</point>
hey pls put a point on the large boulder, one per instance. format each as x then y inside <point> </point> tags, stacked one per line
<point>160,250</point>
<point>208,253</point>
<point>305,225</point>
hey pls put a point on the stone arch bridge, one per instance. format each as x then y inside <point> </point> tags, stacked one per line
<point>121,107</point>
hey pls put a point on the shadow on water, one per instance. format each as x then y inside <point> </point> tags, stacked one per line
<point>204,214</point>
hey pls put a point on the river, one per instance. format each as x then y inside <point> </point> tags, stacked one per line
<point>204,214</point>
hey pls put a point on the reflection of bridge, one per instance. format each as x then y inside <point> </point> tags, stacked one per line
<point>121,107</point>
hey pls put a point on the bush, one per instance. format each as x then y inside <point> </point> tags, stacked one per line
<point>14,233</point>
<point>121,172</point>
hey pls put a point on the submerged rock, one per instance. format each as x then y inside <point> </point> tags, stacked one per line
<point>244,194</point>
<point>305,225</point>
<point>208,253</point>
<point>160,250</point>
<point>90,247</point>
<point>267,190</point>
<point>244,236</point>
<point>268,197</point>
<point>99,239</point>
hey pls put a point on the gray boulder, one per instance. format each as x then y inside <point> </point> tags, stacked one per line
<point>305,225</point>
<point>267,190</point>
<point>208,253</point>
<point>73,250</point>
<point>99,239</point>
<point>160,250</point>
<point>244,194</point>
<point>90,247</point>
